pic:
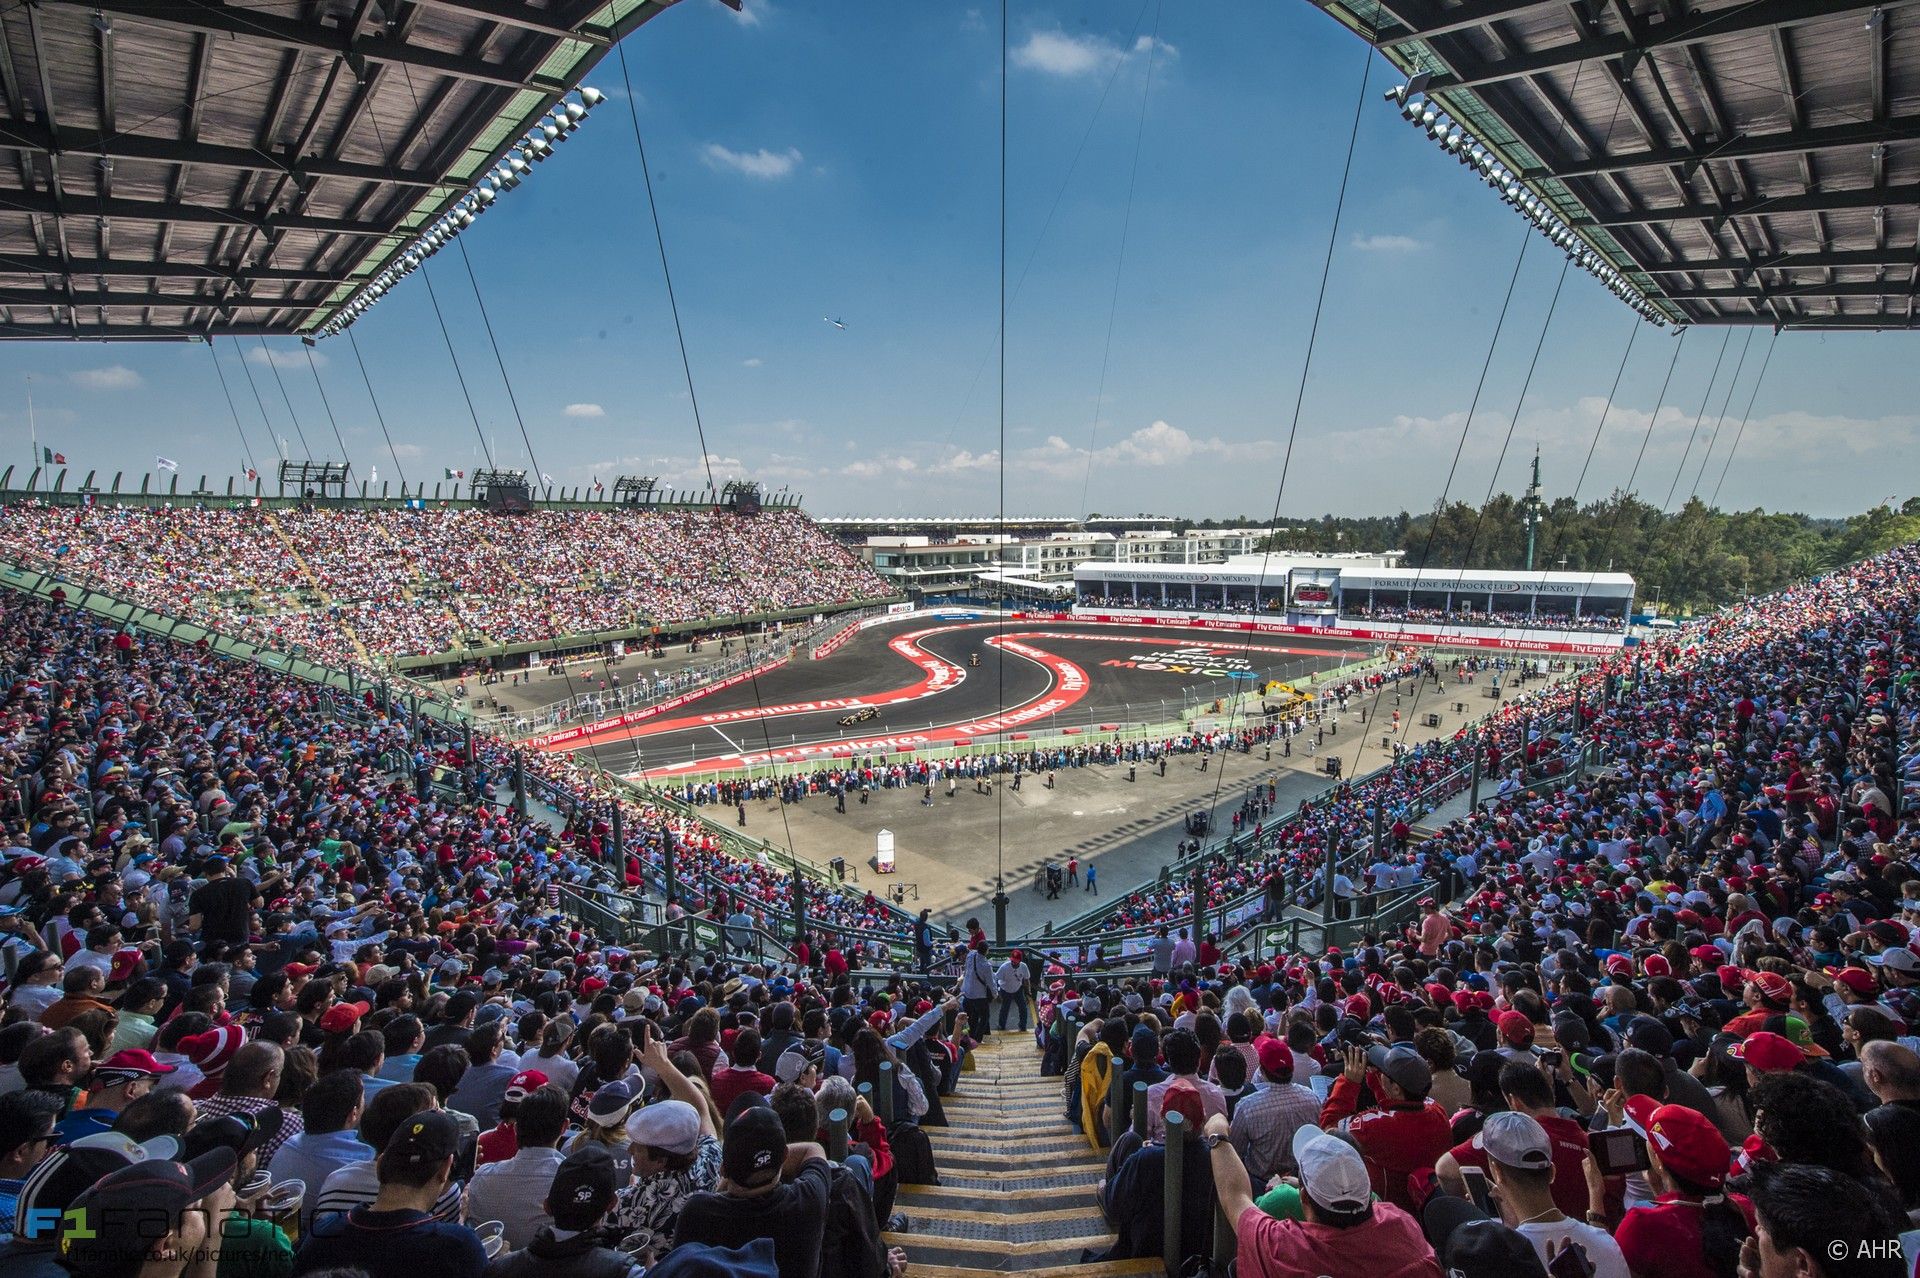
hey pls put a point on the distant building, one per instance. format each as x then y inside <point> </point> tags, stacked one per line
<point>988,560</point>
<point>1367,597</point>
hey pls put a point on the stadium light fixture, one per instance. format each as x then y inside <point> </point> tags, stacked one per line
<point>561,119</point>
<point>1453,137</point>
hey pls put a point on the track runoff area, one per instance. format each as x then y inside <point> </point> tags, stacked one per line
<point>943,681</point>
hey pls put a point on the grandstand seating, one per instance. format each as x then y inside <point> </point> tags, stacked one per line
<point>1736,889</point>
<point>406,582</point>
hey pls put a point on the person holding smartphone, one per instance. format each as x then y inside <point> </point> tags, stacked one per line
<point>1523,1173</point>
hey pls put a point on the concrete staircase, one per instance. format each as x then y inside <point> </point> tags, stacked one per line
<point>313,579</point>
<point>1017,1182</point>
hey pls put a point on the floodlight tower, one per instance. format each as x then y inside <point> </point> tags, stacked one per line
<point>1531,508</point>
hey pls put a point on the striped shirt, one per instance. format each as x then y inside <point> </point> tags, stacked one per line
<point>1263,1127</point>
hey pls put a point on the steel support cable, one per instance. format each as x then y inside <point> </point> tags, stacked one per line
<point>1300,393</point>
<point>700,431</point>
<point>1741,432</point>
<point>272,438</point>
<point>273,365</point>
<point>246,449</point>
<point>1720,419</point>
<point>327,404</point>
<point>1705,398</point>
<point>378,416</point>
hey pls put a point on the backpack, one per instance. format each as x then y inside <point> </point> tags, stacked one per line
<point>912,1155</point>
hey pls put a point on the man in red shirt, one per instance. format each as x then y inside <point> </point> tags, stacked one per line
<point>1341,1234</point>
<point>743,1075</point>
<point>1527,1092</point>
<point>1407,1132</point>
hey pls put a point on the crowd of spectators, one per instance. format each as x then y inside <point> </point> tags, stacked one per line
<point>1662,1023</point>
<point>270,955</point>
<point>258,976</point>
<point>407,582</point>
<point>1486,619</point>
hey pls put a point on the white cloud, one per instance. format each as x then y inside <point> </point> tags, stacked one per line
<point>751,362</point>
<point>1387,243</point>
<point>763,165</point>
<point>1060,54</point>
<point>1151,447</point>
<point>964,461</point>
<point>268,356</point>
<point>409,452</point>
<point>873,468</point>
<point>584,410</point>
<point>112,377</point>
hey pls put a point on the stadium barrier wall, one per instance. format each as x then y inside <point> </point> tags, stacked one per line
<point>547,739</point>
<point>839,638</point>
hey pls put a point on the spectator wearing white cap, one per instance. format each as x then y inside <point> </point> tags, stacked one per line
<point>676,1153</point>
<point>1522,1166</point>
<point>1345,1234</point>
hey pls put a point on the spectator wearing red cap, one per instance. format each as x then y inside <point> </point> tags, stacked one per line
<point>118,1080</point>
<point>1766,1053</point>
<point>342,1018</point>
<point>1765,994</point>
<point>1693,1229</point>
<point>1406,1132</point>
<point>1265,1121</point>
<point>1133,1201</point>
<point>1516,1036</point>
<point>500,1142</point>
<point>514,1190</point>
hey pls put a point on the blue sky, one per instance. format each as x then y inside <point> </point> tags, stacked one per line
<point>842,160</point>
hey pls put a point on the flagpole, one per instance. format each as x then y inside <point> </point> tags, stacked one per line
<point>33,430</point>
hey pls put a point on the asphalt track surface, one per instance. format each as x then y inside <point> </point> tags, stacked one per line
<point>1036,678</point>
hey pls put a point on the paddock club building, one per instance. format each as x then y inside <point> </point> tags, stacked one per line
<point>1571,613</point>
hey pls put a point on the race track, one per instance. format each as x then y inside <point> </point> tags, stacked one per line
<point>1035,678</point>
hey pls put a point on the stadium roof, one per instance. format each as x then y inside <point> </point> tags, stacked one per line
<point>1741,161</point>
<point>201,167</point>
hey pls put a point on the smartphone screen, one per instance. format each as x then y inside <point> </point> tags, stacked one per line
<point>1618,1150</point>
<point>1477,1187</point>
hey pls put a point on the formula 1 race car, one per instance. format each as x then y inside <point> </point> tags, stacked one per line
<point>860,716</point>
<point>973,658</point>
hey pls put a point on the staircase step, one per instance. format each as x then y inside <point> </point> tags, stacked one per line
<point>1025,1231</point>
<point>995,1208</point>
<point>947,1197</point>
<point>1019,1158</point>
<point>1096,1269</point>
<point>1021,1257</point>
<point>948,1139</point>
<point>1085,1177</point>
